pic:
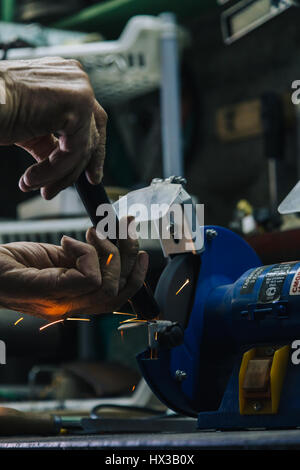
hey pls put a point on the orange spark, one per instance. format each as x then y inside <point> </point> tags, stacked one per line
<point>133,388</point>
<point>79,319</point>
<point>183,285</point>
<point>49,324</point>
<point>129,320</point>
<point>109,259</point>
<point>122,335</point>
<point>124,313</point>
<point>133,320</point>
<point>20,319</point>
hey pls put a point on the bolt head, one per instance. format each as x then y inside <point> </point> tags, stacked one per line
<point>257,406</point>
<point>211,233</point>
<point>269,351</point>
<point>180,375</point>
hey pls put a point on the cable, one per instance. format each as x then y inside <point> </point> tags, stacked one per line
<point>157,413</point>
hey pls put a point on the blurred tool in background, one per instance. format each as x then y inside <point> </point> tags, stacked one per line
<point>243,222</point>
<point>273,133</point>
<point>43,11</point>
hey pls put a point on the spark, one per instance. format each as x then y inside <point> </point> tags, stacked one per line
<point>133,320</point>
<point>183,285</point>
<point>79,319</point>
<point>49,324</point>
<point>18,321</point>
<point>122,335</point>
<point>133,388</point>
<point>109,259</point>
<point>153,353</point>
<point>124,313</point>
<point>129,320</point>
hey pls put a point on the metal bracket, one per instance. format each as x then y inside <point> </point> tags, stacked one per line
<point>181,228</point>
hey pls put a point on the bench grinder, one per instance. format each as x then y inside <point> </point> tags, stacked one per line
<point>232,363</point>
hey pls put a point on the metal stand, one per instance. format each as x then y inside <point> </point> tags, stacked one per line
<point>170,99</point>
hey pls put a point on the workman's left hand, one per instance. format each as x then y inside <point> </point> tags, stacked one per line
<point>49,109</point>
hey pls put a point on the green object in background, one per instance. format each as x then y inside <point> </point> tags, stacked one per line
<point>106,326</point>
<point>7,10</point>
<point>110,17</point>
<point>118,166</point>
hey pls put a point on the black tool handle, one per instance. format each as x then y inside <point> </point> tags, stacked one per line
<point>92,196</point>
<point>143,302</point>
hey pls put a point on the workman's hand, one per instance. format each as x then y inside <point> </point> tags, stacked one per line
<point>53,282</point>
<point>48,107</point>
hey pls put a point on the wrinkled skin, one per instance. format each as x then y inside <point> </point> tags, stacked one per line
<point>51,282</point>
<point>51,112</point>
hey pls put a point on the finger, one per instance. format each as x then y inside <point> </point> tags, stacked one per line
<point>24,186</point>
<point>53,169</point>
<point>74,140</point>
<point>81,277</point>
<point>40,147</point>
<point>110,262</point>
<point>51,190</point>
<point>72,150</point>
<point>93,155</point>
<point>86,259</point>
<point>94,170</point>
<point>96,303</point>
<point>129,248</point>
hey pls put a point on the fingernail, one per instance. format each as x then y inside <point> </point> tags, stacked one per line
<point>143,261</point>
<point>22,185</point>
<point>25,187</point>
<point>92,233</point>
<point>28,179</point>
<point>64,238</point>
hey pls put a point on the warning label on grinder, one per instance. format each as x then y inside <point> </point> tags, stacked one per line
<point>295,284</point>
<point>273,282</point>
<point>250,280</point>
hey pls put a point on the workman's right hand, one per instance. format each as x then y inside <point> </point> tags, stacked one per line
<point>54,282</point>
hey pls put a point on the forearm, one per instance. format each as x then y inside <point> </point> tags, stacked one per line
<point>2,98</point>
<point>2,89</point>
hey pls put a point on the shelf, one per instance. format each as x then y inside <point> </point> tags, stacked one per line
<point>110,17</point>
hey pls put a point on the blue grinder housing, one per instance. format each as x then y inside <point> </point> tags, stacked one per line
<point>237,304</point>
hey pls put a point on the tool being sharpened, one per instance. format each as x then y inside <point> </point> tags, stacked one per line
<point>92,196</point>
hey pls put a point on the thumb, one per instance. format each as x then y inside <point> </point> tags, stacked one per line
<point>84,257</point>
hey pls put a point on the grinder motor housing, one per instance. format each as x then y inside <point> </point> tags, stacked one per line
<point>233,368</point>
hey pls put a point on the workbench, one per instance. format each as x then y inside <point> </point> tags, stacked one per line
<point>161,442</point>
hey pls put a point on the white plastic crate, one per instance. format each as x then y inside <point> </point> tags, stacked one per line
<point>44,231</point>
<point>121,69</point>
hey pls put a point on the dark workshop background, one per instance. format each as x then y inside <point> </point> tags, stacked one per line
<point>264,60</point>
